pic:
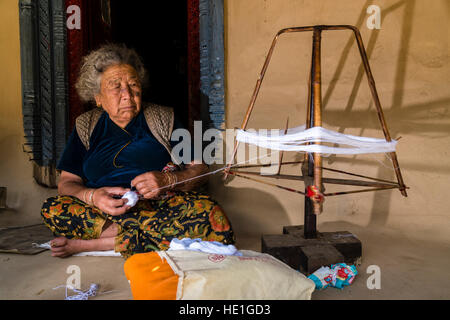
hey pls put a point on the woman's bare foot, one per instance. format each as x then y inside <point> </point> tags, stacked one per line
<point>62,247</point>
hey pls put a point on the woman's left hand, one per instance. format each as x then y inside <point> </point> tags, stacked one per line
<point>148,184</point>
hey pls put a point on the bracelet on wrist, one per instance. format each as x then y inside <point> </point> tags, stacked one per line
<point>84,195</point>
<point>175,178</point>
<point>171,179</point>
<point>91,198</point>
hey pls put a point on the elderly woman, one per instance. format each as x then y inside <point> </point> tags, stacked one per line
<point>125,143</point>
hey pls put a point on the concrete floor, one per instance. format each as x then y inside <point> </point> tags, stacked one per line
<point>410,269</point>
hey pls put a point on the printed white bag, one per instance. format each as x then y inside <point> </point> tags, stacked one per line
<point>252,276</point>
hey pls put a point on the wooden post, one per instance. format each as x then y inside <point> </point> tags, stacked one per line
<point>314,163</point>
<point>380,113</point>
<point>252,103</point>
<point>317,110</point>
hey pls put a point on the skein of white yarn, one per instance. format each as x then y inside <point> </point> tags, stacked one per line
<point>132,198</point>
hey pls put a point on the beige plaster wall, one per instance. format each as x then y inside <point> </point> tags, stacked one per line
<point>25,196</point>
<point>410,61</point>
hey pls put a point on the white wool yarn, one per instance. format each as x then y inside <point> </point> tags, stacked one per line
<point>81,295</point>
<point>132,198</point>
<point>302,140</point>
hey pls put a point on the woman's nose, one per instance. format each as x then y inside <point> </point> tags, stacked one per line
<point>125,91</point>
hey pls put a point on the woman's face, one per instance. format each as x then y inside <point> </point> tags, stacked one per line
<point>120,93</point>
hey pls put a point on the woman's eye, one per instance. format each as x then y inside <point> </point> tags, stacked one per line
<point>114,85</point>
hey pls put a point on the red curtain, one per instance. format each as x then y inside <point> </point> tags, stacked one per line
<point>193,68</point>
<point>94,30</point>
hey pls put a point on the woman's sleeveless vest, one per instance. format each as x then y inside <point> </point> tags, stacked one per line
<point>160,120</point>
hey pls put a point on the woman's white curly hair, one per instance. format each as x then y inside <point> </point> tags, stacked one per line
<point>97,61</point>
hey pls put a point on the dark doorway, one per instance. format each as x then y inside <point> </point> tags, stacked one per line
<point>157,30</point>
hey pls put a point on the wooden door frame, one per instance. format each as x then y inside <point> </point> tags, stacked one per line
<point>212,63</point>
<point>50,58</point>
<point>44,84</point>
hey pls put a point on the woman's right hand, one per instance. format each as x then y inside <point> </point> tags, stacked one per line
<point>103,198</point>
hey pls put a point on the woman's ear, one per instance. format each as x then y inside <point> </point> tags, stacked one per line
<point>98,100</point>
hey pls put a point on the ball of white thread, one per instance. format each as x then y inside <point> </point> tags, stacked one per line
<point>132,198</point>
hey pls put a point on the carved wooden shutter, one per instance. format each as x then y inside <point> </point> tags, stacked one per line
<point>212,61</point>
<point>44,83</point>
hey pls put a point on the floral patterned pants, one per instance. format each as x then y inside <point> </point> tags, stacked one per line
<point>148,226</point>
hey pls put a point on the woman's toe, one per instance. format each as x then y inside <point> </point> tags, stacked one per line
<point>57,249</point>
<point>58,242</point>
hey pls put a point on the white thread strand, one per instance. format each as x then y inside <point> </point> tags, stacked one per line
<point>81,295</point>
<point>209,173</point>
<point>302,140</point>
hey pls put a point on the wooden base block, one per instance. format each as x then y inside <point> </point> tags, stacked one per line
<point>308,255</point>
<point>314,257</point>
